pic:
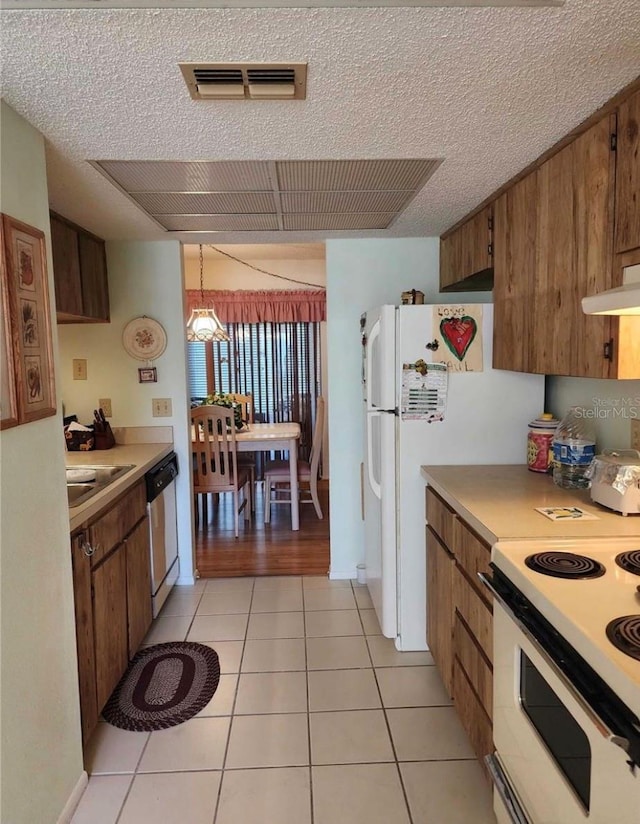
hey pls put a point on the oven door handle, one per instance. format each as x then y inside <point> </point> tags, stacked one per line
<point>588,710</point>
<point>504,789</point>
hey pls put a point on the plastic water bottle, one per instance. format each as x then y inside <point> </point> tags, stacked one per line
<point>574,448</point>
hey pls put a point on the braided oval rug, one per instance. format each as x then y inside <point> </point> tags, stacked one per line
<point>164,685</point>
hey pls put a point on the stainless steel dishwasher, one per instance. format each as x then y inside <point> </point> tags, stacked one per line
<point>163,528</point>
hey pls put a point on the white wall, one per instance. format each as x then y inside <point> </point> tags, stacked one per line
<point>614,404</point>
<point>362,274</point>
<point>144,279</point>
<point>41,749</point>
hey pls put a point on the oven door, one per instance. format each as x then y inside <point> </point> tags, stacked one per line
<point>553,750</point>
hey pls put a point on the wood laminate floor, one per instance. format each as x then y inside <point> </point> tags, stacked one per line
<point>263,549</point>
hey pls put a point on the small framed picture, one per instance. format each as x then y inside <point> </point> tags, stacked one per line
<point>148,375</point>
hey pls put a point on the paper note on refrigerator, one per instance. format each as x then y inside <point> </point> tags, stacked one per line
<point>424,391</point>
<point>458,330</point>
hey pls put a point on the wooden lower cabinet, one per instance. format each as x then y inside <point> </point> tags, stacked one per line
<point>81,566</point>
<point>441,568</point>
<point>110,623</point>
<point>460,619</point>
<point>112,591</point>
<point>139,608</point>
<point>475,721</point>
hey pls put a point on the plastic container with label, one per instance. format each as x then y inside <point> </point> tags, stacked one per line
<point>539,443</point>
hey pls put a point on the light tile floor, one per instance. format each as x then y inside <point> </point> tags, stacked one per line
<point>317,720</point>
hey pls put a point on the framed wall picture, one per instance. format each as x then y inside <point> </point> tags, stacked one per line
<point>8,399</point>
<point>27,290</point>
<point>148,375</point>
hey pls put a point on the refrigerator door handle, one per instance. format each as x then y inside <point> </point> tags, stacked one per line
<point>373,482</point>
<point>374,334</point>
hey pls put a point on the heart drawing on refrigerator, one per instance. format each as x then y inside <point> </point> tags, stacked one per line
<point>458,334</point>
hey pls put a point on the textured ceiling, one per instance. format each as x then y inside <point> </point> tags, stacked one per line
<point>488,90</point>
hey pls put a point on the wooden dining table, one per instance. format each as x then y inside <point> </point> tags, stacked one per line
<point>265,437</point>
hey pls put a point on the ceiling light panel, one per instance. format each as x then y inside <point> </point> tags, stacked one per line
<point>158,203</point>
<point>258,196</point>
<point>186,176</point>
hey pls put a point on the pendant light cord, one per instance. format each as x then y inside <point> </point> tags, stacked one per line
<point>257,269</point>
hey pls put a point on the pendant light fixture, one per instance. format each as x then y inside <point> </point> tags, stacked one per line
<point>204,324</point>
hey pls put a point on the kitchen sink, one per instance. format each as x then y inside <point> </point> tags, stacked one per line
<point>81,485</point>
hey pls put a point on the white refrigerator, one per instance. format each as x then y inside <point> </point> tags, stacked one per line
<point>485,422</point>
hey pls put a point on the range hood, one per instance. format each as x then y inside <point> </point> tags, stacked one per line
<point>622,301</point>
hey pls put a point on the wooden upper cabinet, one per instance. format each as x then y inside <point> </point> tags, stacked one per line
<point>515,222</point>
<point>66,267</point>
<point>574,255</point>
<point>80,273</point>
<point>466,253</point>
<point>628,176</point>
<point>93,269</point>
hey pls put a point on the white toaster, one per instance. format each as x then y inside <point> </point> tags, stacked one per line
<point>615,480</point>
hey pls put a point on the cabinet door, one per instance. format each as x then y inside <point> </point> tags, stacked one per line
<point>440,607</point>
<point>66,268</point>
<point>110,529</point>
<point>575,231</point>
<point>93,270</point>
<point>138,585</point>
<point>515,219</point>
<point>628,176</point>
<point>467,251</point>
<point>110,623</point>
<point>81,567</point>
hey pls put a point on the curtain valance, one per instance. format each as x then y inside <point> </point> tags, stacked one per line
<point>267,306</point>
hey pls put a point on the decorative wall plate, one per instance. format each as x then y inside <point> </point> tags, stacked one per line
<point>144,339</point>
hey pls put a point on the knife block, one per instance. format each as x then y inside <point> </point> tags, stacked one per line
<point>105,439</point>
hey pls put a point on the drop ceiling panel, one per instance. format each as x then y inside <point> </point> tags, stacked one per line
<point>353,175</point>
<point>293,202</point>
<point>187,176</point>
<point>311,195</point>
<point>324,222</point>
<point>158,203</point>
<point>219,223</point>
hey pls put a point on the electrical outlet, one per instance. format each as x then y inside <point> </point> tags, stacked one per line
<point>79,369</point>
<point>161,407</point>
<point>105,405</point>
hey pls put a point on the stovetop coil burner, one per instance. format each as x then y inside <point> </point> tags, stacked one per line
<point>629,561</point>
<point>624,634</point>
<point>564,565</point>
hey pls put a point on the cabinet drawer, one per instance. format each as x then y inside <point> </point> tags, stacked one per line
<point>471,553</point>
<point>440,518</point>
<point>118,521</point>
<point>476,668</point>
<point>475,613</point>
<point>469,709</point>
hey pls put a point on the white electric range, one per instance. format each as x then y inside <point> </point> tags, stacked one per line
<point>566,702</point>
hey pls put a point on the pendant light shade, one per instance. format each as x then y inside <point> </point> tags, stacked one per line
<point>204,324</point>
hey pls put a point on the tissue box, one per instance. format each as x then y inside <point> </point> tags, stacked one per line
<point>79,441</point>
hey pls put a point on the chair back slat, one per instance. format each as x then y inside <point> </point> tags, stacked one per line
<point>318,435</point>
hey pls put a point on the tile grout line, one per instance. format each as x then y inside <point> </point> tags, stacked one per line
<point>306,678</point>
<point>233,707</point>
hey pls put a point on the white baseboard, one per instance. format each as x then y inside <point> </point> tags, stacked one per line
<point>343,574</point>
<point>74,799</point>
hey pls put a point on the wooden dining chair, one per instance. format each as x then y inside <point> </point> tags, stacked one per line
<point>277,476</point>
<point>215,458</point>
<point>247,459</point>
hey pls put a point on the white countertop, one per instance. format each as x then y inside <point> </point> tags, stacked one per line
<point>142,456</point>
<point>499,502</point>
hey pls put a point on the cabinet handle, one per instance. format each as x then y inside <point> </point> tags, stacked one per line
<point>87,548</point>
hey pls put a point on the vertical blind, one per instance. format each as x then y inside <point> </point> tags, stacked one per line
<point>277,363</point>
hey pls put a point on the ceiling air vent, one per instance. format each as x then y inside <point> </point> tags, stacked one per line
<point>240,81</point>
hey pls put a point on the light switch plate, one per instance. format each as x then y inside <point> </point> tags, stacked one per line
<point>635,435</point>
<point>105,405</point>
<point>161,407</point>
<point>79,369</point>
